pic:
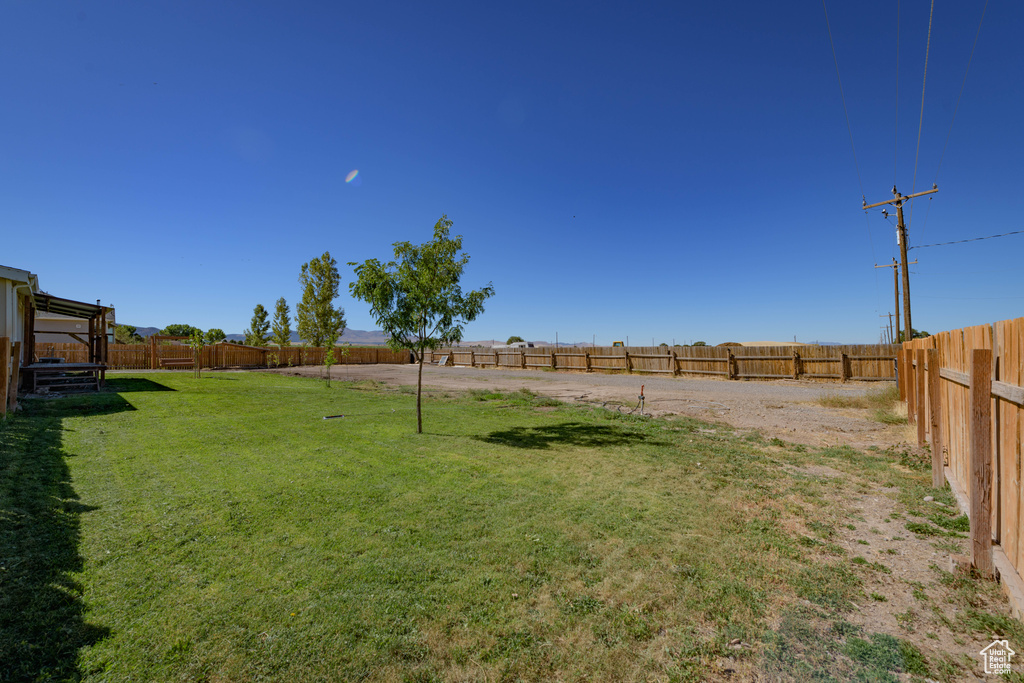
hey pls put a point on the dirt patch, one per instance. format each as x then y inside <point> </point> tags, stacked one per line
<point>785,409</point>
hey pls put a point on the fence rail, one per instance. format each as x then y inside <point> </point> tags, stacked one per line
<point>965,393</point>
<point>854,362</point>
<point>224,355</point>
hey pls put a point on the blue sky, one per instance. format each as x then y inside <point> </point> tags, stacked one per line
<point>675,171</point>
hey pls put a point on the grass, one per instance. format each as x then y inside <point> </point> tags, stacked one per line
<point>219,529</point>
<point>884,403</point>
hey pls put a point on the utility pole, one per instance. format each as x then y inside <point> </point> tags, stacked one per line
<point>901,237</point>
<point>889,329</point>
<point>896,290</point>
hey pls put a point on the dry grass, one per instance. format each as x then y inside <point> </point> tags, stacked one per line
<point>884,404</point>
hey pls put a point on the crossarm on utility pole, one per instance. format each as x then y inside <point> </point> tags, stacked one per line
<point>901,198</point>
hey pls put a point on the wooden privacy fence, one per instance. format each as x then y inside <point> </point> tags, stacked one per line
<point>153,355</point>
<point>965,392</point>
<point>853,362</point>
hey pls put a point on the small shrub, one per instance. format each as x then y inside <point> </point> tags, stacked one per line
<point>887,416</point>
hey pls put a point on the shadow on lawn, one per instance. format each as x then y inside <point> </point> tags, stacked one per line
<point>125,384</point>
<point>41,607</point>
<point>567,433</point>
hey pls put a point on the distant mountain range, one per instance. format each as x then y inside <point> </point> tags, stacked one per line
<point>357,337</point>
<point>377,338</point>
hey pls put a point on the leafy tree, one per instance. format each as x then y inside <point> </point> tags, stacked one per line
<point>663,344</point>
<point>417,300</point>
<point>700,343</point>
<point>915,334</point>
<point>329,360</point>
<point>198,342</point>
<point>282,328</point>
<point>514,338</point>
<point>259,328</point>
<point>127,334</point>
<point>180,330</point>
<point>319,322</point>
<point>214,335</point>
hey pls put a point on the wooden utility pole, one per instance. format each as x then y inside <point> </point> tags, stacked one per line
<point>887,332</point>
<point>901,237</point>
<point>896,295</point>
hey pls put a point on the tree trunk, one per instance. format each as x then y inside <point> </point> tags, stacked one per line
<point>419,390</point>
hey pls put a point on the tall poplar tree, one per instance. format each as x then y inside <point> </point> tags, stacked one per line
<point>320,323</point>
<point>282,324</point>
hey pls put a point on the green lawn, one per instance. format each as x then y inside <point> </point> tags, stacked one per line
<point>219,529</point>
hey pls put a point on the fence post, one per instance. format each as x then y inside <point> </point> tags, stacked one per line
<point>672,359</point>
<point>586,355</point>
<point>981,461</point>
<point>553,360</point>
<point>522,358</point>
<point>911,384</point>
<point>472,359</point>
<point>5,378</point>
<point>922,417</point>
<point>729,362</point>
<point>997,454</point>
<point>796,364</point>
<point>934,388</point>
<point>626,357</point>
<point>901,375</point>
<point>844,373</point>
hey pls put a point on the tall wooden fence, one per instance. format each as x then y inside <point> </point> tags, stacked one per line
<point>224,355</point>
<point>853,362</point>
<point>965,392</point>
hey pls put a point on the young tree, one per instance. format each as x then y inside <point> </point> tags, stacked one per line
<point>282,328</point>
<point>329,360</point>
<point>198,342</point>
<point>214,335</point>
<point>417,300</point>
<point>514,339</point>
<point>319,322</point>
<point>259,328</point>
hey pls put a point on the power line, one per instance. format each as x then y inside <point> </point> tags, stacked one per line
<point>973,239</point>
<point>843,96</point>
<point>962,87</point>
<point>849,128</point>
<point>896,133</point>
<point>974,298</point>
<point>920,123</point>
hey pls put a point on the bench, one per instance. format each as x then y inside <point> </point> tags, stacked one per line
<point>177,362</point>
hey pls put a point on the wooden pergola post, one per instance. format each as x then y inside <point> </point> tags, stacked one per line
<point>12,395</point>
<point>5,377</point>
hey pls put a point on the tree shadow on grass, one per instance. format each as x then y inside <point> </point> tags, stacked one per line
<point>566,433</point>
<point>42,627</point>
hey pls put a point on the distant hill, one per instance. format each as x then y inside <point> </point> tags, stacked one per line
<point>355,337</point>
